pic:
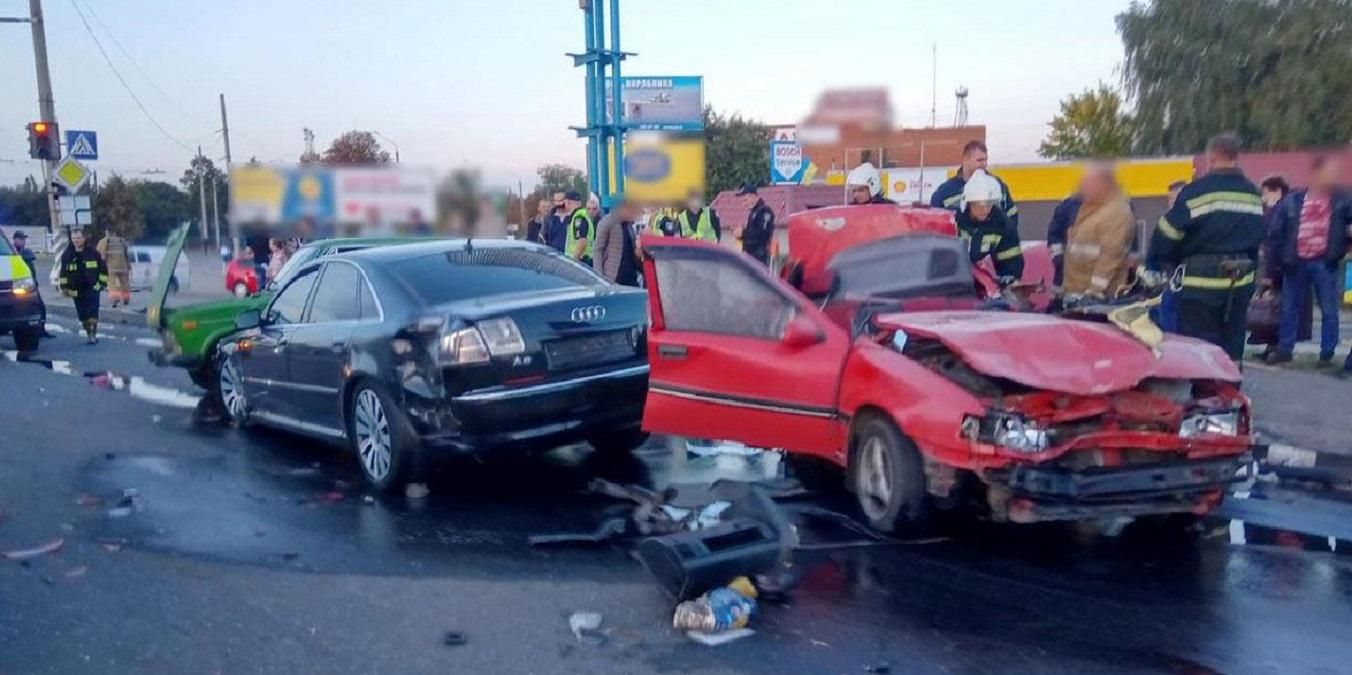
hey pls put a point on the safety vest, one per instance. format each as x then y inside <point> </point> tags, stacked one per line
<point>572,234</point>
<point>703,230</point>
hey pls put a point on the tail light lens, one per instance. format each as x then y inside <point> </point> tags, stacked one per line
<point>477,344</point>
<point>502,337</point>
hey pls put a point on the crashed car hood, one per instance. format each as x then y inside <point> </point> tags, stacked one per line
<point>1056,354</point>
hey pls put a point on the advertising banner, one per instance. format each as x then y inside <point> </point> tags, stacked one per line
<point>788,164</point>
<point>672,103</point>
<point>663,168</point>
<point>909,185</point>
<point>380,197</point>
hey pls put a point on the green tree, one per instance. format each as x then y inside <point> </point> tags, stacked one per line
<point>115,210</point>
<point>737,151</point>
<point>355,147</point>
<point>1090,124</point>
<point>25,206</point>
<point>560,178</point>
<point>163,206</point>
<point>1278,72</point>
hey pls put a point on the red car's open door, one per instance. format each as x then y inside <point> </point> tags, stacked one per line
<point>737,354</point>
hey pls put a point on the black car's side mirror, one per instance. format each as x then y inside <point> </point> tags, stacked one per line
<point>249,319</point>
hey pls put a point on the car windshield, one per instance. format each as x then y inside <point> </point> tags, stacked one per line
<point>460,275</point>
<point>906,266</point>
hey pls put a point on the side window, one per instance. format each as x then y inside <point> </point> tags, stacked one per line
<point>720,296</point>
<point>289,306</point>
<point>366,302</point>
<point>336,298</point>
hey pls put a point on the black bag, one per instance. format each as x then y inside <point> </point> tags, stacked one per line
<point>1264,314</point>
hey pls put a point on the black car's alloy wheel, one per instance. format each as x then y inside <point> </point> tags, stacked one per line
<point>230,387</point>
<point>381,436</point>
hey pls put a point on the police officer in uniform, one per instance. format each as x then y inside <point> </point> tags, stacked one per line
<point>698,221</point>
<point>1212,234</point>
<point>82,277</point>
<point>949,193</point>
<point>760,224</point>
<point>31,259</point>
<point>581,230</point>
<point>985,227</point>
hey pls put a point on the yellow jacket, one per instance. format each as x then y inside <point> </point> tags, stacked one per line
<point>1097,248</point>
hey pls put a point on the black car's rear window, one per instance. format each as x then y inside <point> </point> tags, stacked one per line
<point>461,275</point>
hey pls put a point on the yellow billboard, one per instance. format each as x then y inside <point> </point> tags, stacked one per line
<point>1054,182</point>
<point>662,168</point>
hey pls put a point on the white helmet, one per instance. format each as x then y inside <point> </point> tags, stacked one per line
<point>866,174</point>
<point>981,187</point>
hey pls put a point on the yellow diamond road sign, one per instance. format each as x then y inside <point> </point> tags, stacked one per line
<point>71,174</point>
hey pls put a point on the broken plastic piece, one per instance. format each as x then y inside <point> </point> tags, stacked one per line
<point>715,639</point>
<point>586,627</point>
<point>24,554</point>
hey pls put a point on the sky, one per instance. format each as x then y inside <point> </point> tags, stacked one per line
<point>486,83</point>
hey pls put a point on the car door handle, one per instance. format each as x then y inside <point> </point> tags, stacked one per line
<point>673,352</point>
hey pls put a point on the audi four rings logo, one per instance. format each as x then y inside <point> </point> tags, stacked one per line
<point>588,314</point>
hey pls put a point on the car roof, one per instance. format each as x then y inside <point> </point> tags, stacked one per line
<point>365,241</point>
<point>385,254</point>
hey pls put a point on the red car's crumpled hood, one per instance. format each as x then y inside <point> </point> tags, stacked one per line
<point>1056,354</point>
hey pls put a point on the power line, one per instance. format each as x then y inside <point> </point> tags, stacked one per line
<point>118,43</point>
<point>123,80</point>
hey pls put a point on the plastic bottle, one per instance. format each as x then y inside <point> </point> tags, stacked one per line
<point>718,610</point>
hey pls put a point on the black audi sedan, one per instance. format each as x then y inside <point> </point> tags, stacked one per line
<point>453,345</point>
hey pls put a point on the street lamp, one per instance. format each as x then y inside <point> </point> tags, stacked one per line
<point>389,140</point>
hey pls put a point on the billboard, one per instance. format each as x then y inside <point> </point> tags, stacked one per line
<point>673,103</point>
<point>663,168</point>
<point>909,185</point>
<point>375,197</point>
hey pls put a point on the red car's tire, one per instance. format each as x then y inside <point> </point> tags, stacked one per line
<point>887,476</point>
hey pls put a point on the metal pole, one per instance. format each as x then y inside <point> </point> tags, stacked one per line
<point>592,95</point>
<point>215,216</point>
<point>202,195</point>
<point>616,108</point>
<point>225,136</point>
<point>603,155</point>
<point>46,105</point>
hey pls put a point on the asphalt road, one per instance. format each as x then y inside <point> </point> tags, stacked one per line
<point>254,551</point>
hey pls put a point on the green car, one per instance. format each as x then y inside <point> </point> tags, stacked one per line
<point>190,335</point>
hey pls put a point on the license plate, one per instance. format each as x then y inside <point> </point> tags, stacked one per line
<point>584,350</point>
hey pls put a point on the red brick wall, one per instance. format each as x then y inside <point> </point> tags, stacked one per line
<point>899,147</point>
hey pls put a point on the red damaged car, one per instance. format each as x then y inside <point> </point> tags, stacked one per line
<point>889,364</point>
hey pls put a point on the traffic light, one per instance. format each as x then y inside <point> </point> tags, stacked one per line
<point>43,141</point>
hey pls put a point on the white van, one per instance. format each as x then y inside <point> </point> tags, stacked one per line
<point>145,265</point>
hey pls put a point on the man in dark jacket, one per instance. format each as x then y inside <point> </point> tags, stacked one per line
<point>986,228</point>
<point>760,225</point>
<point>1213,231</point>
<point>21,246</point>
<point>1058,230</point>
<point>539,225</point>
<point>949,193</point>
<point>1308,239</point>
<point>83,275</point>
<point>556,233</point>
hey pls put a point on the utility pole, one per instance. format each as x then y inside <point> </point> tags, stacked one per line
<point>202,195</point>
<point>234,229</point>
<point>46,106</point>
<point>215,216</point>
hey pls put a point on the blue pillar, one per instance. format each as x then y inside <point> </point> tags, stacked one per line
<point>590,71</point>
<point>617,108</point>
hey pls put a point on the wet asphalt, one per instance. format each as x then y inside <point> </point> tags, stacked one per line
<point>192,548</point>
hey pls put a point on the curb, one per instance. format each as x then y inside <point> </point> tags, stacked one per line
<point>1286,461</point>
<point>106,314</point>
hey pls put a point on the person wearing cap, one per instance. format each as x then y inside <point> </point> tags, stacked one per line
<point>20,240</point>
<point>83,275</point>
<point>581,230</point>
<point>864,185</point>
<point>986,228</point>
<point>760,224</point>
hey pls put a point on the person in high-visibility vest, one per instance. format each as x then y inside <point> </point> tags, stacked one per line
<point>698,221</point>
<point>581,229</point>
<point>83,275</point>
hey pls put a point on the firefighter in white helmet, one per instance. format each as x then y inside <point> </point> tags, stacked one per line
<point>986,229</point>
<point>864,185</point>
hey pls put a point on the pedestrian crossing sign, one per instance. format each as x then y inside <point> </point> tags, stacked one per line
<point>82,144</point>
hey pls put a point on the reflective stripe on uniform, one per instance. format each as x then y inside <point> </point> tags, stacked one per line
<point>1221,283</point>
<point>1085,249</point>
<point>91,264</point>
<point>952,201</point>
<point>1009,253</point>
<point>1098,282</point>
<point>1013,210</point>
<point>1229,202</point>
<point>1168,230</point>
<point>1057,249</point>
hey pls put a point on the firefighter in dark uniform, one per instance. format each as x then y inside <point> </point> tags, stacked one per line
<point>759,230</point>
<point>949,193</point>
<point>82,277</point>
<point>864,185</point>
<point>986,229</point>
<point>1211,235</point>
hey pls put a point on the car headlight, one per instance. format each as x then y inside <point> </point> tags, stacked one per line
<point>1212,423</point>
<point>24,286</point>
<point>1007,430</point>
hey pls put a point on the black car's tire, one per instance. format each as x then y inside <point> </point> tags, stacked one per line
<point>887,476</point>
<point>26,339</point>
<point>381,437</point>
<point>620,442</point>
<point>227,387</point>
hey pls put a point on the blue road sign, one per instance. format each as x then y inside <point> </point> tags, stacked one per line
<point>82,144</point>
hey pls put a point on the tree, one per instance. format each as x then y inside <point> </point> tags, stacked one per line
<point>355,147</point>
<point>560,178</point>
<point>1278,72</point>
<point>163,206</point>
<point>1090,124</point>
<point>24,206</point>
<point>736,151</point>
<point>115,210</point>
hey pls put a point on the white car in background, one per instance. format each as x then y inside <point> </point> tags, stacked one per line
<point>145,264</point>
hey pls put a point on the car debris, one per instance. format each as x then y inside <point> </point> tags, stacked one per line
<point>130,502</point>
<point>586,627</point>
<point>610,529</point>
<point>416,491</point>
<point>728,608</point>
<point>112,544</point>
<point>43,549</point>
<point>452,638</point>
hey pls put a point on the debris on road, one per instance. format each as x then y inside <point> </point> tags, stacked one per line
<point>879,668</point>
<point>417,491</point>
<point>715,639</point>
<point>611,529</point>
<point>454,639</point>
<point>721,609</point>
<point>131,502</point>
<point>112,544</point>
<point>75,572</point>
<point>586,627</point>
<point>24,554</point>
<point>700,448</point>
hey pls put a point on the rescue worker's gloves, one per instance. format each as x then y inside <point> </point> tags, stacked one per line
<point>1152,280</point>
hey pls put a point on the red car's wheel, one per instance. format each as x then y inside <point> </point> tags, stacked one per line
<point>887,476</point>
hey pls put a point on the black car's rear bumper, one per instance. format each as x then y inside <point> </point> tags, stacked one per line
<point>1040,492</point>
<point>546,414</point>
